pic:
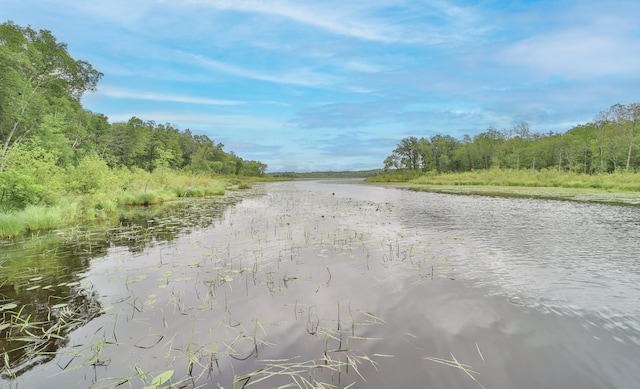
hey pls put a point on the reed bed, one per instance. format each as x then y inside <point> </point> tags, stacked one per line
<point>627,182</point>
<point>133,188</point>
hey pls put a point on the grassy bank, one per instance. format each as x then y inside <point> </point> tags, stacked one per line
<point>523,178</point>
<point>126,188</point>
<point>621,188</point>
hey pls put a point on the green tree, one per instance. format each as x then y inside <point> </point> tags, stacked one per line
<point>36,70</point>
<point>407,155</point>
<point>443,148</point>
<point>488,144</point>
<point>627,117</point>
<point>253,168</point>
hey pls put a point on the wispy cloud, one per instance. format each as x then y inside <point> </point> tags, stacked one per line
<point>207,122</point>
<point>299,76</point>
<point>332,18</point>
<point>312,78</point>
<point>346,115</point>
<point>126,94</point>
<point>576,53</point>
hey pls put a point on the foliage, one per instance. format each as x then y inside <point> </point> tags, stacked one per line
<point>91,175</point>
<point>53,151</point>
<point>37,74</point>
<point>606,145</point>
<point>31,177</point>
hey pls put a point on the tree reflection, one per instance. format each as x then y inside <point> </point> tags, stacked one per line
<point>43,296</point>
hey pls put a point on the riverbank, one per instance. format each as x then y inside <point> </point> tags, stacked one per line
<point>140,189</point>
<point>548,193</point>
<point>616,188</point>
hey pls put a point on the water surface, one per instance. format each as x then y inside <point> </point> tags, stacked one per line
<point>336,283</point>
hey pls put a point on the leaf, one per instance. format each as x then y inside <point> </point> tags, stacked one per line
<point>162,378</point>
<point>8,306</point>
<point>141,373</point>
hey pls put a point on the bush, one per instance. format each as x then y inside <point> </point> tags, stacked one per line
<point>92,175</point>
<point>18,191</point>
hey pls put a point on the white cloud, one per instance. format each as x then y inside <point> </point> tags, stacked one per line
<point>362,66</point>
<point>205,122</point>
<point>300,77</point>
<point>580,39</point>
<point>335,19</point>
<point>576,53</point>
<point>125,94</point>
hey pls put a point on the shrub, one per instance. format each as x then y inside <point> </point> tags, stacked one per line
<point>92,175</point>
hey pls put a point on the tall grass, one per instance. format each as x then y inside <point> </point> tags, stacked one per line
<point>35,218</point>
<point>10,225</point>
<point>130,187</point>
<point>528,178</point>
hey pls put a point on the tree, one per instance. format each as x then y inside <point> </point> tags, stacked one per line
<point>600,123</point>
<point>628,118</point>
<point>409,154</point>
<point>488,143</point>
<point>36,70</point>
<point>443,149</point>
<point>520,135</point>
<point>253,168</point>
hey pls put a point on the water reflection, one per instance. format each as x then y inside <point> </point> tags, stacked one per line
<point>563,256</point>
<point>311,284</point>
<point>43,293</point>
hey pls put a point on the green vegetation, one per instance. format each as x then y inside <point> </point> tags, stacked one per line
<point>601,155</point>
<point>60,162</point>
<point>522,178</point>
<point>606,145</point>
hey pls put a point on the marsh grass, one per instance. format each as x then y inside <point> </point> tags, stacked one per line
<point>10,225</point>
<point>133,188</point>
<point>35,218</point>
<point>521,178</point>
<point>199,191</point>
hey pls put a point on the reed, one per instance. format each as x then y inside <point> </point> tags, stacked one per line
<point>10,225</point>
<point>152,197</point>
<point>523,178</point>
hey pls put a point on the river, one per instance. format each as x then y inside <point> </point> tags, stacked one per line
<point>330,283</point>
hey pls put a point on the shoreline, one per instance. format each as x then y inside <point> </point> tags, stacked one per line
<point>585,195</point>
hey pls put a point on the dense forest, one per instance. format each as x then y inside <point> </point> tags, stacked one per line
<point>605,145</point>
<point>50,143</point>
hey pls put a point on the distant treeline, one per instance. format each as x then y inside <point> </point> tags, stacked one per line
<point>607,144</point>
<point>343,174</point>
<point>44,128</point>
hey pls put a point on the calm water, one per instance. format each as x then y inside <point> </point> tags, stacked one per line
<point>331,282</point>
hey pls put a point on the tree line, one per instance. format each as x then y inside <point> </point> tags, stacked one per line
<point>609,143</point>
<point>42,119</point>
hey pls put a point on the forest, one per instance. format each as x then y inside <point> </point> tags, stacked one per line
<point>52,148</point>
<point>607,144</point>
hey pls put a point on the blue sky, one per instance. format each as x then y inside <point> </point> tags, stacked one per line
<point>334,84</point>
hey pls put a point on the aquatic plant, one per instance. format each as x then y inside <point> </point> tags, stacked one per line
<point>10,225</point>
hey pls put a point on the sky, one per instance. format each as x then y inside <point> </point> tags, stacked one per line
<point>336,85</point>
